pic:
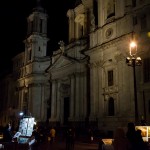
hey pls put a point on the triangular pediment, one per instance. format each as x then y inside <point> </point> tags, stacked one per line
<point>61,62</point>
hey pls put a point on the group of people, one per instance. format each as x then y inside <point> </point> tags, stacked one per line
<point>131,140</point>
<point>42,136</point>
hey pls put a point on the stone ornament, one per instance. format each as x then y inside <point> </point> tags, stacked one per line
<point>109,33</point>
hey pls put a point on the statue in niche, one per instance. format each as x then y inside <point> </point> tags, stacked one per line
<point>62,45</point>
<point>110,8</point>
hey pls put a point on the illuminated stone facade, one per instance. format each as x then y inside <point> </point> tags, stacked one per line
<point>91,82</point>
<point>87,82</point>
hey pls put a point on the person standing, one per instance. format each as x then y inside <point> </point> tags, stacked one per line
<point>131,135</point>
<point>100,144</point>
<point>70,135</point>
<point>52,134</point>
<point>140,144</point>
<point>7,134</point>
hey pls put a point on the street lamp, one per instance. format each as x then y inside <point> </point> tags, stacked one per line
<point>134,61</point>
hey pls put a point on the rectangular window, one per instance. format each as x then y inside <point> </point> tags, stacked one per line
<point>110,78</point>
<point>146,69</point>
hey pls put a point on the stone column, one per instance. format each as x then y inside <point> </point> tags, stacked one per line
<point>53,102</point>
<point>43,107</point>
<point>71,16</point>
<point>100,92</point>
<point>92,20</point>
<point>76,30</point>
<point>85,95</point>
<point>58,102</point>
<point>92,89</point>
<point>81,95</point>
<point>21,92</point>
<point>85,25</point>
<point>77,93</point>
<point>101,14</point>
<point>72,97</point>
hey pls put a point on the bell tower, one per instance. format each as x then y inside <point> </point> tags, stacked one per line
<point>36,41</point>
<point>35,63</point>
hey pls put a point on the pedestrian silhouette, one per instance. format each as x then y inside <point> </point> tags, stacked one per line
<point>140,144</point>
<point>100,144</point>
<point>70,135</point>
<point>52,134</point>
<point>131,135</point>
<point>7,133</point>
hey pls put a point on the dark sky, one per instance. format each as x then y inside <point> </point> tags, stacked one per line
<point>13,24</point>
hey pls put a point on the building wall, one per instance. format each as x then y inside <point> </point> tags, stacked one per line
<point>106,49</point>
<point>87,82</point>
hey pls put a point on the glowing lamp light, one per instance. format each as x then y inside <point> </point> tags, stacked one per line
<point>21,113</point>
<point>133,48</point>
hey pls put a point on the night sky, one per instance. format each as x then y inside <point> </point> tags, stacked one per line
<point>13,24</point>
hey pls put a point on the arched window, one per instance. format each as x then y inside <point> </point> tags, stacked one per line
<point>111,107</point>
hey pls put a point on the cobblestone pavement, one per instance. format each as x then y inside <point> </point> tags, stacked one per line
<point>62,146</point>
<point>59,144</point>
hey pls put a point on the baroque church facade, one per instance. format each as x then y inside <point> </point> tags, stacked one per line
<point>86,81</point>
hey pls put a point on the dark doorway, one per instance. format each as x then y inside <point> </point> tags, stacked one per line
<point>111,107</point>
<point>66,109</point>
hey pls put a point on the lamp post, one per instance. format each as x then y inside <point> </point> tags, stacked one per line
<point>134,61</point>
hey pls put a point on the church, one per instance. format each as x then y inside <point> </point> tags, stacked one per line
<point>96,79</point>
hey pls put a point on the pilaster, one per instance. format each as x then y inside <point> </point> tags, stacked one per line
<point>77,98</point>
<point>71,16</point>
<point>53,101</point>
<point>72,100</point>
<point>58,102</point>
<point>93,82</point>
